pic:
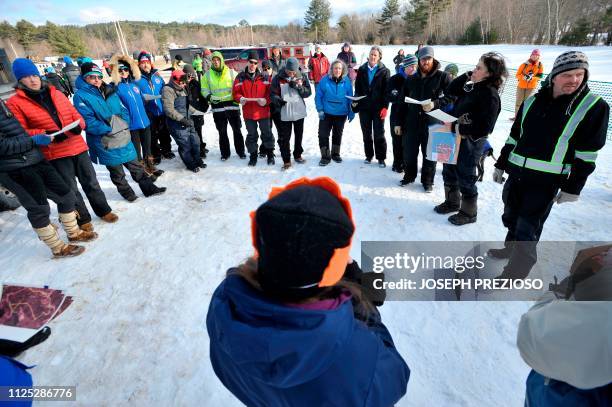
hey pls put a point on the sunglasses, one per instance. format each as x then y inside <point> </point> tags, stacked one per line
<point>124,70</point>
<point>253,62</point>
<point>97,77</point>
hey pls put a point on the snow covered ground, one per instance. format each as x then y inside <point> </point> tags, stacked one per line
<point>136,332</point>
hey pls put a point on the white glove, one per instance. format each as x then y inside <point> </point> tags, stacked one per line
<point>243,101</point>
<point>498,176</point>
<point>563,197</point>
<point>321,115</point>
<point>428,107</point>
<point>397,130</point>
<point>261,102</point>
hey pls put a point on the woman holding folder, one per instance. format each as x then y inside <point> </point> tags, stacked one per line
<point>477,105</point>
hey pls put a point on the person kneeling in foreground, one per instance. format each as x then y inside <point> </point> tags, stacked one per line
<point>312,337</point>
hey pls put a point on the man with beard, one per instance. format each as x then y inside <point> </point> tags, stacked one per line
<point>429,82</point>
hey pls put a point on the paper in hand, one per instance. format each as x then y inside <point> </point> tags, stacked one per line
<point>65,129</point>
<point>417,102</point>
<point>440,115</point>
<point>355,98</point>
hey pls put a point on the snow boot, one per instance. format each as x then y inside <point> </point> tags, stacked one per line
<point>451,200</point>
<point>286,166</point>
<point>110,217</point>
<point>503,253</point>
<point>467,211</point>
<point>428,188</point>
<point>367,161</point>
<point>51,238</point>
<point>325,157</point>
<point>335,153</point>
<point>75,234</point>
<point>299,159</point>
<point>252,160</point>
<point>150,167</point>
<point>381,164</point>
<point>270,154</point>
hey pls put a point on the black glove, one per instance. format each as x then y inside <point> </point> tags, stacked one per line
<point>59,138</point>
<point>11,349</point>
<point>354,274</point>
<point>186,122</point>
<point>292,84</point>
<point>77,130</point>
<point>50,131</point>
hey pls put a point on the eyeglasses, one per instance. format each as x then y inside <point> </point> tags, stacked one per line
<point>124,70</point>
<point>253,62</point>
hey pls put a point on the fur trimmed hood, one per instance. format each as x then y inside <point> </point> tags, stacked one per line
<point>125,60</point>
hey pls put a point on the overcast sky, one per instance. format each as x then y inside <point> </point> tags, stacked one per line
<point>224,12</point>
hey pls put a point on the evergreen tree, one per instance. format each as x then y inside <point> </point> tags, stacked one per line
<point>67,41</point>
<point>317,19</point>
<point>578,35</point>
<point>385,21</point>
<point>472,34</point>
<point>415,18</point>
<point>26,31</point>
<point>7,30</point>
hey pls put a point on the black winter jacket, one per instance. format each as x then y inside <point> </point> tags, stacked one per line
<point>375,92</point>
<point>395,96</point>
<point>431,86</point>
<point>17,149</point>
<point>476,110</point>
<point>71,73</point>
<point>542,128</point>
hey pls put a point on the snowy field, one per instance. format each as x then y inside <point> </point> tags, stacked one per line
<point>136,331</point>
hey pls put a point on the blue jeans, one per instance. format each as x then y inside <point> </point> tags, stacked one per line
<point>188,143</point>
<point>463,174</point>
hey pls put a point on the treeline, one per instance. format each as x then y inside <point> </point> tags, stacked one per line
<point>569,22</point>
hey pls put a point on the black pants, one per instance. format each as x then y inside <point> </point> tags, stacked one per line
<point>284,139</point>
<point>221,120</point>
<point>31,184</point>
<point>198,122</point>
<point>141,139</point>
<point>398,148</point>
<point>160,136</point>
<point>333,124</point>
<point>526,208</point>
<point>137,171</point>
<point>370,120</point>
<point>412,141</point>
<point>267,139</point>
<point>80,167</point>
<point>186,138</point>
<point>463,174</point>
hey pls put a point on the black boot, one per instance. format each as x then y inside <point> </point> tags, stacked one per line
<point>148,188</point>
<point>451,200</point>
<point>270,154</point>
<point>467,211</point>
<point>503,253</point>
<point>335,153</point>
<point>325,157</point>
<point>253,160</point>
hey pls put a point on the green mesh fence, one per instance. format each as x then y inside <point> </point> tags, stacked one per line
<point>508,95</point>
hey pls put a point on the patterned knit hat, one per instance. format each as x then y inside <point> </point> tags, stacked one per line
<point>409,60</point>
<point>569,60</point>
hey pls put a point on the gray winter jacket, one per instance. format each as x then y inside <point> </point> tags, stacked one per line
<point>170,92</point>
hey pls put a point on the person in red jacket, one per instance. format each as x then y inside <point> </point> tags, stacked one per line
<point>318,67</point>
<point>252,90</point>
<point>41,108</point>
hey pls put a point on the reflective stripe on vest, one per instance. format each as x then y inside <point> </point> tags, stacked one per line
<point>215,83</point>
<point>588,156</point>
<point>556,165</point>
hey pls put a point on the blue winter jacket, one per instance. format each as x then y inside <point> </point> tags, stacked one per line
<point>97,112</point>
<point>543,392</point>
<point>268,354</point>
<point>331,97</point>
<point>152,86</point>
<point>129,93</point>
<point>14,374</point>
